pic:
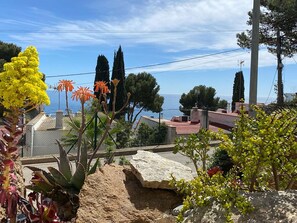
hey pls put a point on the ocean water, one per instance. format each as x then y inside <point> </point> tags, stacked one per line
<point>170,106</point>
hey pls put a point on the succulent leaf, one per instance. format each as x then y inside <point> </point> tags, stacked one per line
<point>94,167</point>
<point>47,176</point>
<point>59,177</point>
<point>64,164</point>
<point>84,156</point>
<point>79,176</point>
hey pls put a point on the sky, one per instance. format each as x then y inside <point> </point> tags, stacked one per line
<point>187,42</point>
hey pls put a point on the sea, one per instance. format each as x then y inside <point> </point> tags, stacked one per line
<point>170,107</point>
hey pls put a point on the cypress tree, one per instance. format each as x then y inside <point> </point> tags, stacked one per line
<point>102,71</point>
<point>238,89</point>
<point>118,72</point>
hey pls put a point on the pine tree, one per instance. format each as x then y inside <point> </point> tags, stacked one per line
<point>102,71</point>
<point>118,72</point>
<point>238,89</point>
<point>278,31</point>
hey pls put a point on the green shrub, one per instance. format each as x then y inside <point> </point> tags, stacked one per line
<point>146,136</point>
<point>221,159</point>
<point>196,147</point>
<point>264,149</point>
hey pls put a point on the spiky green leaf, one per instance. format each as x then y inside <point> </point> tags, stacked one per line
<point>64,164</point>
<point>47,176</point>
<point>79,177</point>
<point>84,155</point>
<point>94,167</point>
<point>59,177</point>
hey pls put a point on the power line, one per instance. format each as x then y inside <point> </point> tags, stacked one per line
<point>151,65</point>
<point>272,84</point>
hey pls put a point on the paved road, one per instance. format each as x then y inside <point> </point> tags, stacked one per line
<point>169,155</point>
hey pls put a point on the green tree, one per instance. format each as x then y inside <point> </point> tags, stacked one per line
<point>238,89</point>
<point>118,72</point>
<point>202,96</point>
<point>144,94</point>
<point>102,71</point>
<point>7,51</point>
<point>278,31</point>
<point>146,136</point>
<point>223,104</point>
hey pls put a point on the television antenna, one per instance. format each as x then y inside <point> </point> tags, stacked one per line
<point>59,100</point>
<point>240,64</point>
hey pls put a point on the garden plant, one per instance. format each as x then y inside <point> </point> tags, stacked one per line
<point>63,185</point>
<point>55,193</point>
<point>21,89</point>
<point>263,155</point>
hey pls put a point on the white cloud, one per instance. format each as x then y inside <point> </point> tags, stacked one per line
<point>174,25</point>
<point>220,61</point>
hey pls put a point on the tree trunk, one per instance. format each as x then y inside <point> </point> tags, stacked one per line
<point>280,87</point>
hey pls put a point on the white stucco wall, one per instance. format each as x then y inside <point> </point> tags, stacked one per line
<point>45,142</point>
<point>222,118</point>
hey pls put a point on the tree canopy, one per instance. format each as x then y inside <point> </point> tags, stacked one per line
<point>118,72</point>
<point>201,96</point>
<point>144,94</point>
<point>277,31</point>
<point>102,71</point>
<point>7,51</point>
<point>238,89</point>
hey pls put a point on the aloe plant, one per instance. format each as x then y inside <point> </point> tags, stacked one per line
<point>64,183</point>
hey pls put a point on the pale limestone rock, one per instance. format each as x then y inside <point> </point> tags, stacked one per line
<point>270,207</point>
<point>154,171</point>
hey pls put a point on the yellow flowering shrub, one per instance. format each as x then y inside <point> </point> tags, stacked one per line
<point>21,82</point>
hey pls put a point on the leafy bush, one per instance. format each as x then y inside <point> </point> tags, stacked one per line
<point>206,189</point>
<point>212,185</point>
<point>221,159</point>
<point>196,147</point>
<point>146,136</point>
<point>264,149</point>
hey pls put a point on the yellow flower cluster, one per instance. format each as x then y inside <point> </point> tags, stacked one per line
<point>21,81</point>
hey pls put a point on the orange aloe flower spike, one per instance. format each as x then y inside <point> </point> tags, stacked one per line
<point>101,86</point>
<point>83,94</point>
<point>66,85</point>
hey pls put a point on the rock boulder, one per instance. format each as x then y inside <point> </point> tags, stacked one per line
<point>154,171</point>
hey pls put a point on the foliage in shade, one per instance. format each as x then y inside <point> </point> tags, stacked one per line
<point>102,72</point>
<point>144,94</point>
<point>118,72</point>
<point>238,89</point>
<point>7,51</point>
<point>147,136</point>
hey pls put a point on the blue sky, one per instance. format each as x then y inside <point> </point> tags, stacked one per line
<point>69,35</point>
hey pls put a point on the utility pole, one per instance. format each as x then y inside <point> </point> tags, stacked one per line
<point>254,57</point>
